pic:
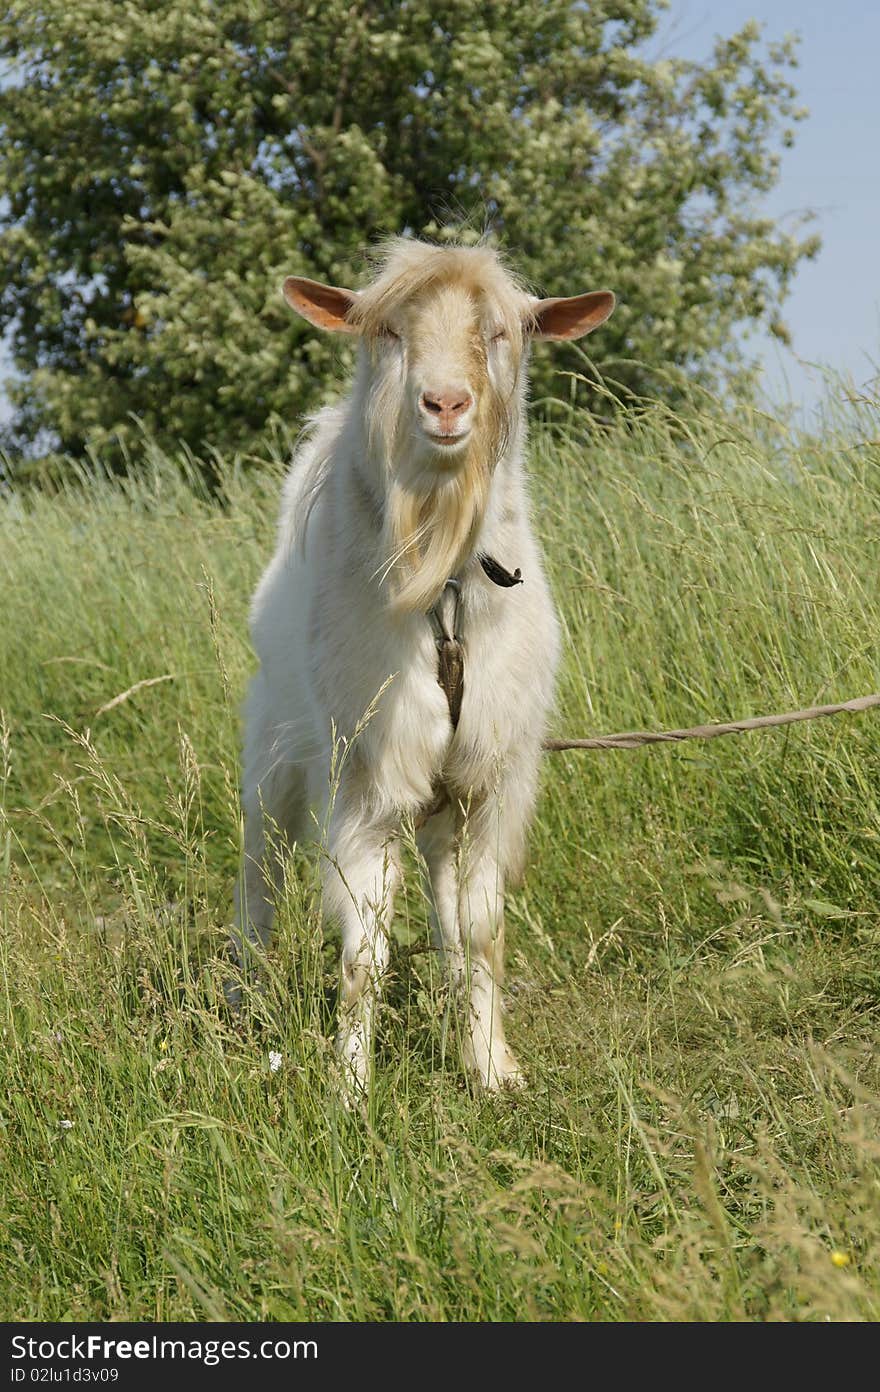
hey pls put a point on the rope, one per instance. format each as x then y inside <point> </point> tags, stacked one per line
<point>634,739</point>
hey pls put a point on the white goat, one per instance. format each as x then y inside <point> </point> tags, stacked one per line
<point>403,516</point>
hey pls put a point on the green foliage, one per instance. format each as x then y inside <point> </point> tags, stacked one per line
<point>693,982</point>
<point>162,166</point>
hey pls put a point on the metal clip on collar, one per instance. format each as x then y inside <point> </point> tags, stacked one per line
<point>438,613</point>
<point>450,649</point>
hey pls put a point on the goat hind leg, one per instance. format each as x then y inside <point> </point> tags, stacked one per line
<point>467,912</point>
<point>274,811</point>
<point>437,842</point>
<point>438,845</point>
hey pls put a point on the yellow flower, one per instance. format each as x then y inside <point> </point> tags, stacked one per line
<point>841,1259</point>
<point>163,1046</point>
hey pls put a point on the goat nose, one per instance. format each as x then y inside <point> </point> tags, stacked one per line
<point>447,406</point>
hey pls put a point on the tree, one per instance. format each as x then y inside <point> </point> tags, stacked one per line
<point>165,165</point>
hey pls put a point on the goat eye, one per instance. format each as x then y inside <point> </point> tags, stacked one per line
<point>388,334</point>
<point>498,337</point>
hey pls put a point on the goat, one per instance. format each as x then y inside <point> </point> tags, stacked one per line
<point>390,620</point>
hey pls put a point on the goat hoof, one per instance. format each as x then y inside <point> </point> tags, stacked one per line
<point>508,1079</point>
<point>498,1072</point>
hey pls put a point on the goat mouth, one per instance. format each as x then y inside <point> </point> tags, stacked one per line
<point>446,440</point>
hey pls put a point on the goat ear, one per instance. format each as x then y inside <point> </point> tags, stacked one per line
<point>325,306</point>
<point>572,317</point>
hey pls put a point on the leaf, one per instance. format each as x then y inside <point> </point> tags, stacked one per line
<point>179,165</point>
<point>823,909</point>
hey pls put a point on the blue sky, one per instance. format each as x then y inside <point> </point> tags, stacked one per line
<point>834,307</point>
<point>833,310</point>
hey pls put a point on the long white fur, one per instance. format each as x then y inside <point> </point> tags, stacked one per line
<point>332,642</point>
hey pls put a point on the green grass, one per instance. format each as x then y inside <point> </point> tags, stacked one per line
<point>694,957</point>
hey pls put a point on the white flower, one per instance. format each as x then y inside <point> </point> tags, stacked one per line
<point>65,1124</point>
<point>275,1061</point>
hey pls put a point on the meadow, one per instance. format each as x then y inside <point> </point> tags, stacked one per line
<point>694,955</point>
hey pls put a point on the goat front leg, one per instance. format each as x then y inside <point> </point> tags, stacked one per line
<point>359,892</point>
<point>481,920</point>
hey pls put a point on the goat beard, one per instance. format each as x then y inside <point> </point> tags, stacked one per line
<point>432,524</point>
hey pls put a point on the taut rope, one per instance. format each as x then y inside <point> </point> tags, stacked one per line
<point>634,739</point>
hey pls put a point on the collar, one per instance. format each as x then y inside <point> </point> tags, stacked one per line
<point>497,573</point>
<point>445,619</point>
